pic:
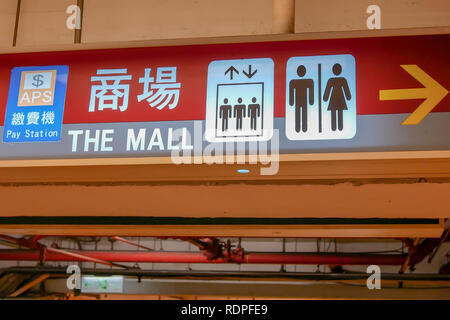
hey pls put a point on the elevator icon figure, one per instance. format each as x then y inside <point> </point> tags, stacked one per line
<point>254,112</point>
<point>321,97</point>
<point>239,114</point>
<point>225,114</point>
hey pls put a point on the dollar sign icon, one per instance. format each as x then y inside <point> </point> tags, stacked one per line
<point>38,80</point>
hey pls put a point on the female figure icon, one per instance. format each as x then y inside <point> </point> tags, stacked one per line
<point>337,87</point>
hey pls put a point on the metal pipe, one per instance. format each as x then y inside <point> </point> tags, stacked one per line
<point>411,251</point>
<point>131,243</point>
<point>444,237</point>
<point>193,257</point>
<point>80,257</point>
<point>20,241</point>
<point>44,251</point>
<point>424,249</point>
<point>265,275</point>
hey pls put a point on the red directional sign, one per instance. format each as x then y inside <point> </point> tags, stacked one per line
<point>379,66</point>
<point>299,97</point>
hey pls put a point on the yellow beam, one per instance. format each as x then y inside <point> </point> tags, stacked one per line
<point>29,285</point>
<point>278,231</point>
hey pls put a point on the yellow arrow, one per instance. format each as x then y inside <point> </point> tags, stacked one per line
<point>432,92</point>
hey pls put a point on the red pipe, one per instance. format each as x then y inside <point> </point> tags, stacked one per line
<point>324,259</point>
<point>192,257</point>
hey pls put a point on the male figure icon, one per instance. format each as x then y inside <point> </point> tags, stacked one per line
<point>299,92</point>
<point>239,113</point>
<point>224,114</point>
<point>337,86</point>
<point>254,111</point>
